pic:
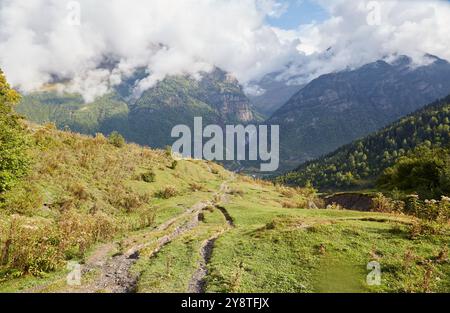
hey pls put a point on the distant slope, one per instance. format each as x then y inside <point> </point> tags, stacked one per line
<point>338,108</point>
<point>104,115</point>
<point>275,93</point>
<point>217,97</point>
<point>365,159</point>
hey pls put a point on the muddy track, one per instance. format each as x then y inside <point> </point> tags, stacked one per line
<point>115,272</point>
<point>116,276</point>
<point>198,280</point>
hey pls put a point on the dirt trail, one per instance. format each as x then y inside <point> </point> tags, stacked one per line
<point>198,280</point>
<point>116,276</point>
<point>115,272</point>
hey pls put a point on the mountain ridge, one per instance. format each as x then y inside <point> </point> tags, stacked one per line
<point>337,108</point>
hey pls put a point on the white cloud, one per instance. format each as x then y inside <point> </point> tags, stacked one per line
<point>363,31</point>
<point>166,36</point>
<point>186,37</point>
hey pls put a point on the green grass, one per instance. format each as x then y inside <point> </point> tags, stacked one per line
<point>278,250</point>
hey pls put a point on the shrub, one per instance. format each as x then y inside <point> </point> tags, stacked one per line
<point>286,191</point>
<point>334,206</point>
<point>79,191</point>
<point>196,187</point>
<point>425,228</point>
<point>116,139</point>
<point>24,199</point>
<point>236,192</point>
<point>79,231</point>
<point>386,205</point>
<point>289,204</point>
<point>430,210</point>
<point>173,165</point>
<point>13,144</point>
<point>167,192</point>
<point>424,170</point>
<point>148,177</point>
<point>31,246</point>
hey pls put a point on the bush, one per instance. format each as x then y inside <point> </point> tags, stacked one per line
<point>425,228</point>
<point>24,199</point>
<point>173,165</point>
<point>148,177</point>
<point>31,247</point>
<point>167,192</point>
<point>430,210</point>
<point>196,187</point>
<point>386,205</point>
<point>289,205</point>
<point>116,139</point>
<point>13,143</point>
<point>424,171</point>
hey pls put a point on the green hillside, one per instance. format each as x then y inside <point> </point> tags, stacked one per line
<point>69,111</point>
<point>362,161</point>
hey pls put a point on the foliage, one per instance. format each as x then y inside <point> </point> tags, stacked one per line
<point>148,177</point>
<point>116,139</point>
<point>13,158</point>
<point>424,171</point>
<point>167,192</point>
<point>76,195</point>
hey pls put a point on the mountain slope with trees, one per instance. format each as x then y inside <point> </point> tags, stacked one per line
<point>362,161</point>
<point>149,119</point>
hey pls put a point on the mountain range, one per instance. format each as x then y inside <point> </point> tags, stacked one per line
<point>325,114</point>
<point>148,120</point>
<point>337,108</point>
<point>271,93</point>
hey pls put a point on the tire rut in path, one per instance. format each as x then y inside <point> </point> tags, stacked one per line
<point>198,280</point>
<point>116,276</point>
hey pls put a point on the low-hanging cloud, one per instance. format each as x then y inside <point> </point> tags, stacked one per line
<point>41,41</point>
<point>362,31</point>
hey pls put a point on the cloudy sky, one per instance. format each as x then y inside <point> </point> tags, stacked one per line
<point>94,44</point>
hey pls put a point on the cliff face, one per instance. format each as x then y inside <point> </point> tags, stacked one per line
<point>224,92</point>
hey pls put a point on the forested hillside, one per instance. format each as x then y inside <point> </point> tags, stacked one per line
<point>363,160</point>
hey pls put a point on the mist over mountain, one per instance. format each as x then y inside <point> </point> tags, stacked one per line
<point>216,96</point>
<point>338,108</point>
<point>42,40</point>
<point>271,92</point>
